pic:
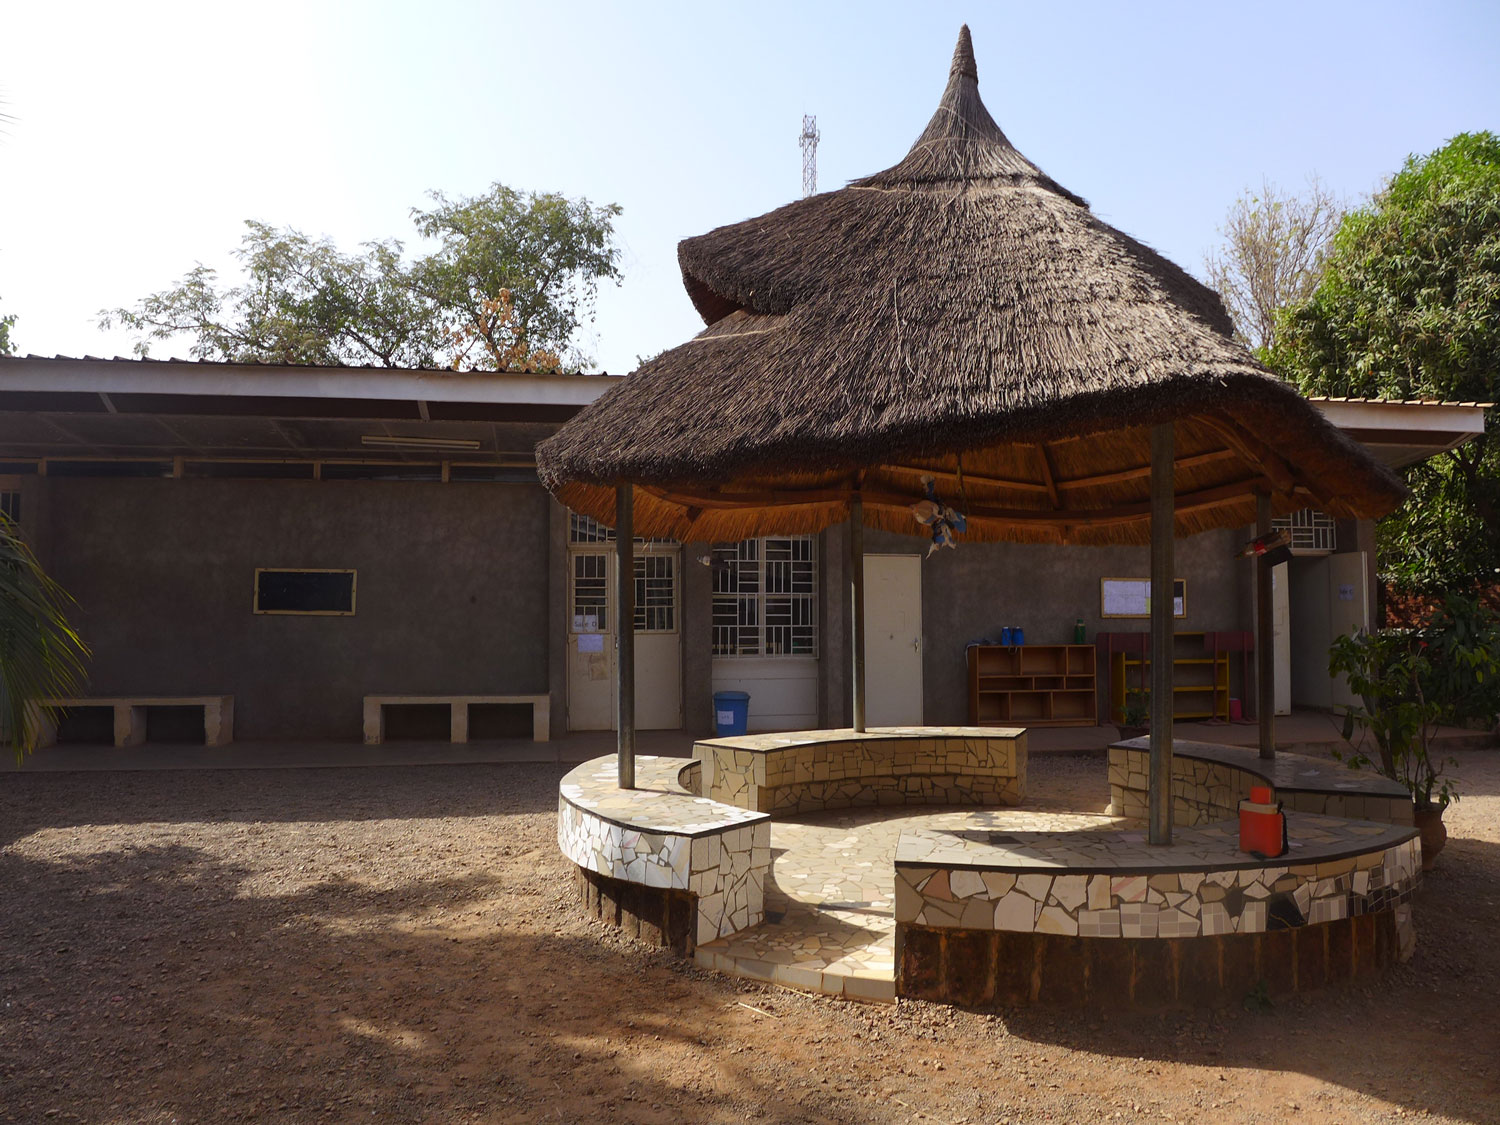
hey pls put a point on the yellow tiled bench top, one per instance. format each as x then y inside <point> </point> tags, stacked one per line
<point>658,803</point>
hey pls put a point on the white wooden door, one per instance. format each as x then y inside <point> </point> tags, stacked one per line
<point>893,640</point>
<point>591,640</point>
<point>1348,610</point>
<point>592,655</point>
<point>658,639</point>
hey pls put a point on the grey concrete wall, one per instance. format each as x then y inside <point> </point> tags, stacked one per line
<point>557,613</point>
<point>973,591</point>
<point>697,600</point>
<point>835,707</point>
<point>452,591</point>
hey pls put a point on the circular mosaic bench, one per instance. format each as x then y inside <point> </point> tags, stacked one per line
<point>809,771</point>
<point>660,861</point>
<point>1104,918</point>
<point>1209,781</point>
<point>683,858</point>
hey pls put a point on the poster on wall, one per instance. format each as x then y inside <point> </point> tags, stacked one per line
<point>1131,597</point>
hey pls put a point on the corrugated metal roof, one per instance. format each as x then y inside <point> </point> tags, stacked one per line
<point>300,366</point>
<point>1398,401</point>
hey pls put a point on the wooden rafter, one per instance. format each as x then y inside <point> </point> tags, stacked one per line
<point>1277,470</point>
<point>1120,476</point>
<point>1048,476</point>
<point>1233,492</point>
<point>970,478</point>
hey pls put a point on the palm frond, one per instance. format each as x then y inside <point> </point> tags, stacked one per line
<point>41,656</point>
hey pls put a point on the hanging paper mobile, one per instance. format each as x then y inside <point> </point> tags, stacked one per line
<point>943,520</point>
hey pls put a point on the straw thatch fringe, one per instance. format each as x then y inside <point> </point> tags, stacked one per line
<point>948,311</point>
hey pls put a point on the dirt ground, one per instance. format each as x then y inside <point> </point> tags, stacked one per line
<point>402,945</point>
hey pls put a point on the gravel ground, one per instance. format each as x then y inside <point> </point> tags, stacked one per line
<point>402,945</point>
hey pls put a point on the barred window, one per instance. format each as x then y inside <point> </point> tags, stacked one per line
<point>590,593</point>
<point>766,597</point>
<point>586,529</point>
<point>1310,529</point>
<point>655,592</point>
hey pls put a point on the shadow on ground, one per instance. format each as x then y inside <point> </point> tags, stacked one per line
<point>53,800</point>
<point>202,950</point>
<point>1415,1038</point>
<point>149,983</point>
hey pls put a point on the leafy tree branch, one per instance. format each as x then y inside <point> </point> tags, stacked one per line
<point>513,278</point>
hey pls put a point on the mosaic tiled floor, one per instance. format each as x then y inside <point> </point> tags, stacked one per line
<point>830,918</point>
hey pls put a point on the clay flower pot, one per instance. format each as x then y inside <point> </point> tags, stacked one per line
<point>1429,822</point>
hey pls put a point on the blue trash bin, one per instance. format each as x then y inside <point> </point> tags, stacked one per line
<point>731,712</point>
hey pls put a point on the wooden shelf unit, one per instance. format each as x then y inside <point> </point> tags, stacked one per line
<point>1200,679</point>
<point>1033,686</point>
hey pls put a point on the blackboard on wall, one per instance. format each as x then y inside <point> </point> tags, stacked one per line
<point>326,592</point>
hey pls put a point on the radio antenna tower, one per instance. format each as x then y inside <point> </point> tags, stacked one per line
<point>809,155</point>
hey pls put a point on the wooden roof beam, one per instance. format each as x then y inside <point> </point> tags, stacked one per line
<point>1048,476</point>
<point>1121,476</point>
<point>976,478</point>
<point>1278,471</point>
<point>1233,492</point>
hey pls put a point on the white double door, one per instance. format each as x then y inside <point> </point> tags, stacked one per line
<point>593,658</point>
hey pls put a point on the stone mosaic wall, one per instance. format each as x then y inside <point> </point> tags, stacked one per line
<point>843,769</point>
<point>1209,788</point>
<point>1025,897</point>
<point>658,836</point>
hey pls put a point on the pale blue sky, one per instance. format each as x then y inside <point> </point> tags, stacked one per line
<point>145,133</point>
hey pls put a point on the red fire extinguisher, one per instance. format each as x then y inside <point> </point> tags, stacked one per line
<point>1262,824</point>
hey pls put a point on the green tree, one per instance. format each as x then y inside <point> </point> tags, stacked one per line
<point>511,280</point>
<point>518,273</point>
<point>40,655</point>
<point>302,301</point>
<point>1409,306</point>
<point>7,346</point>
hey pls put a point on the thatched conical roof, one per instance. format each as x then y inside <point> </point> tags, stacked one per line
<point>959,315</point>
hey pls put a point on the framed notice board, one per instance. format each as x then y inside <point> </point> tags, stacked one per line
<point>1131,597</point>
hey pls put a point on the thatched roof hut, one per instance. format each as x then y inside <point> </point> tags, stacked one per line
<point>960,316</point>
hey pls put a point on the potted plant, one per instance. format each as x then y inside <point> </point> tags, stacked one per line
<point>1135,716</point>
<point>1392,675</point>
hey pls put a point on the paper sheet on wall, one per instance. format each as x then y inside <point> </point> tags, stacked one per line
<point>1126,597</point>
<point>590,642</point>
<point>1131,597</point>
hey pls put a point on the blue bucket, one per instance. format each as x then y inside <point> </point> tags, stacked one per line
<point>731,712</point>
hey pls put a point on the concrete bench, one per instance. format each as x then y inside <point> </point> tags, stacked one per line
<point>130,716</point>
<point>668,865</point>
<point>1209,781</point>
<point>1098,917</point>
<point>458,722</point>
<point>809,771</point>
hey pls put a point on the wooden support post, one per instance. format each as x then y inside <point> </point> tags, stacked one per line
<point>625,635</point>
<point>857,616</point>
<point>1265,639</point>
<point>1162,621</point>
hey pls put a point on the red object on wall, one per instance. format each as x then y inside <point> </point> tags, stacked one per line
<point>1262,824</point>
